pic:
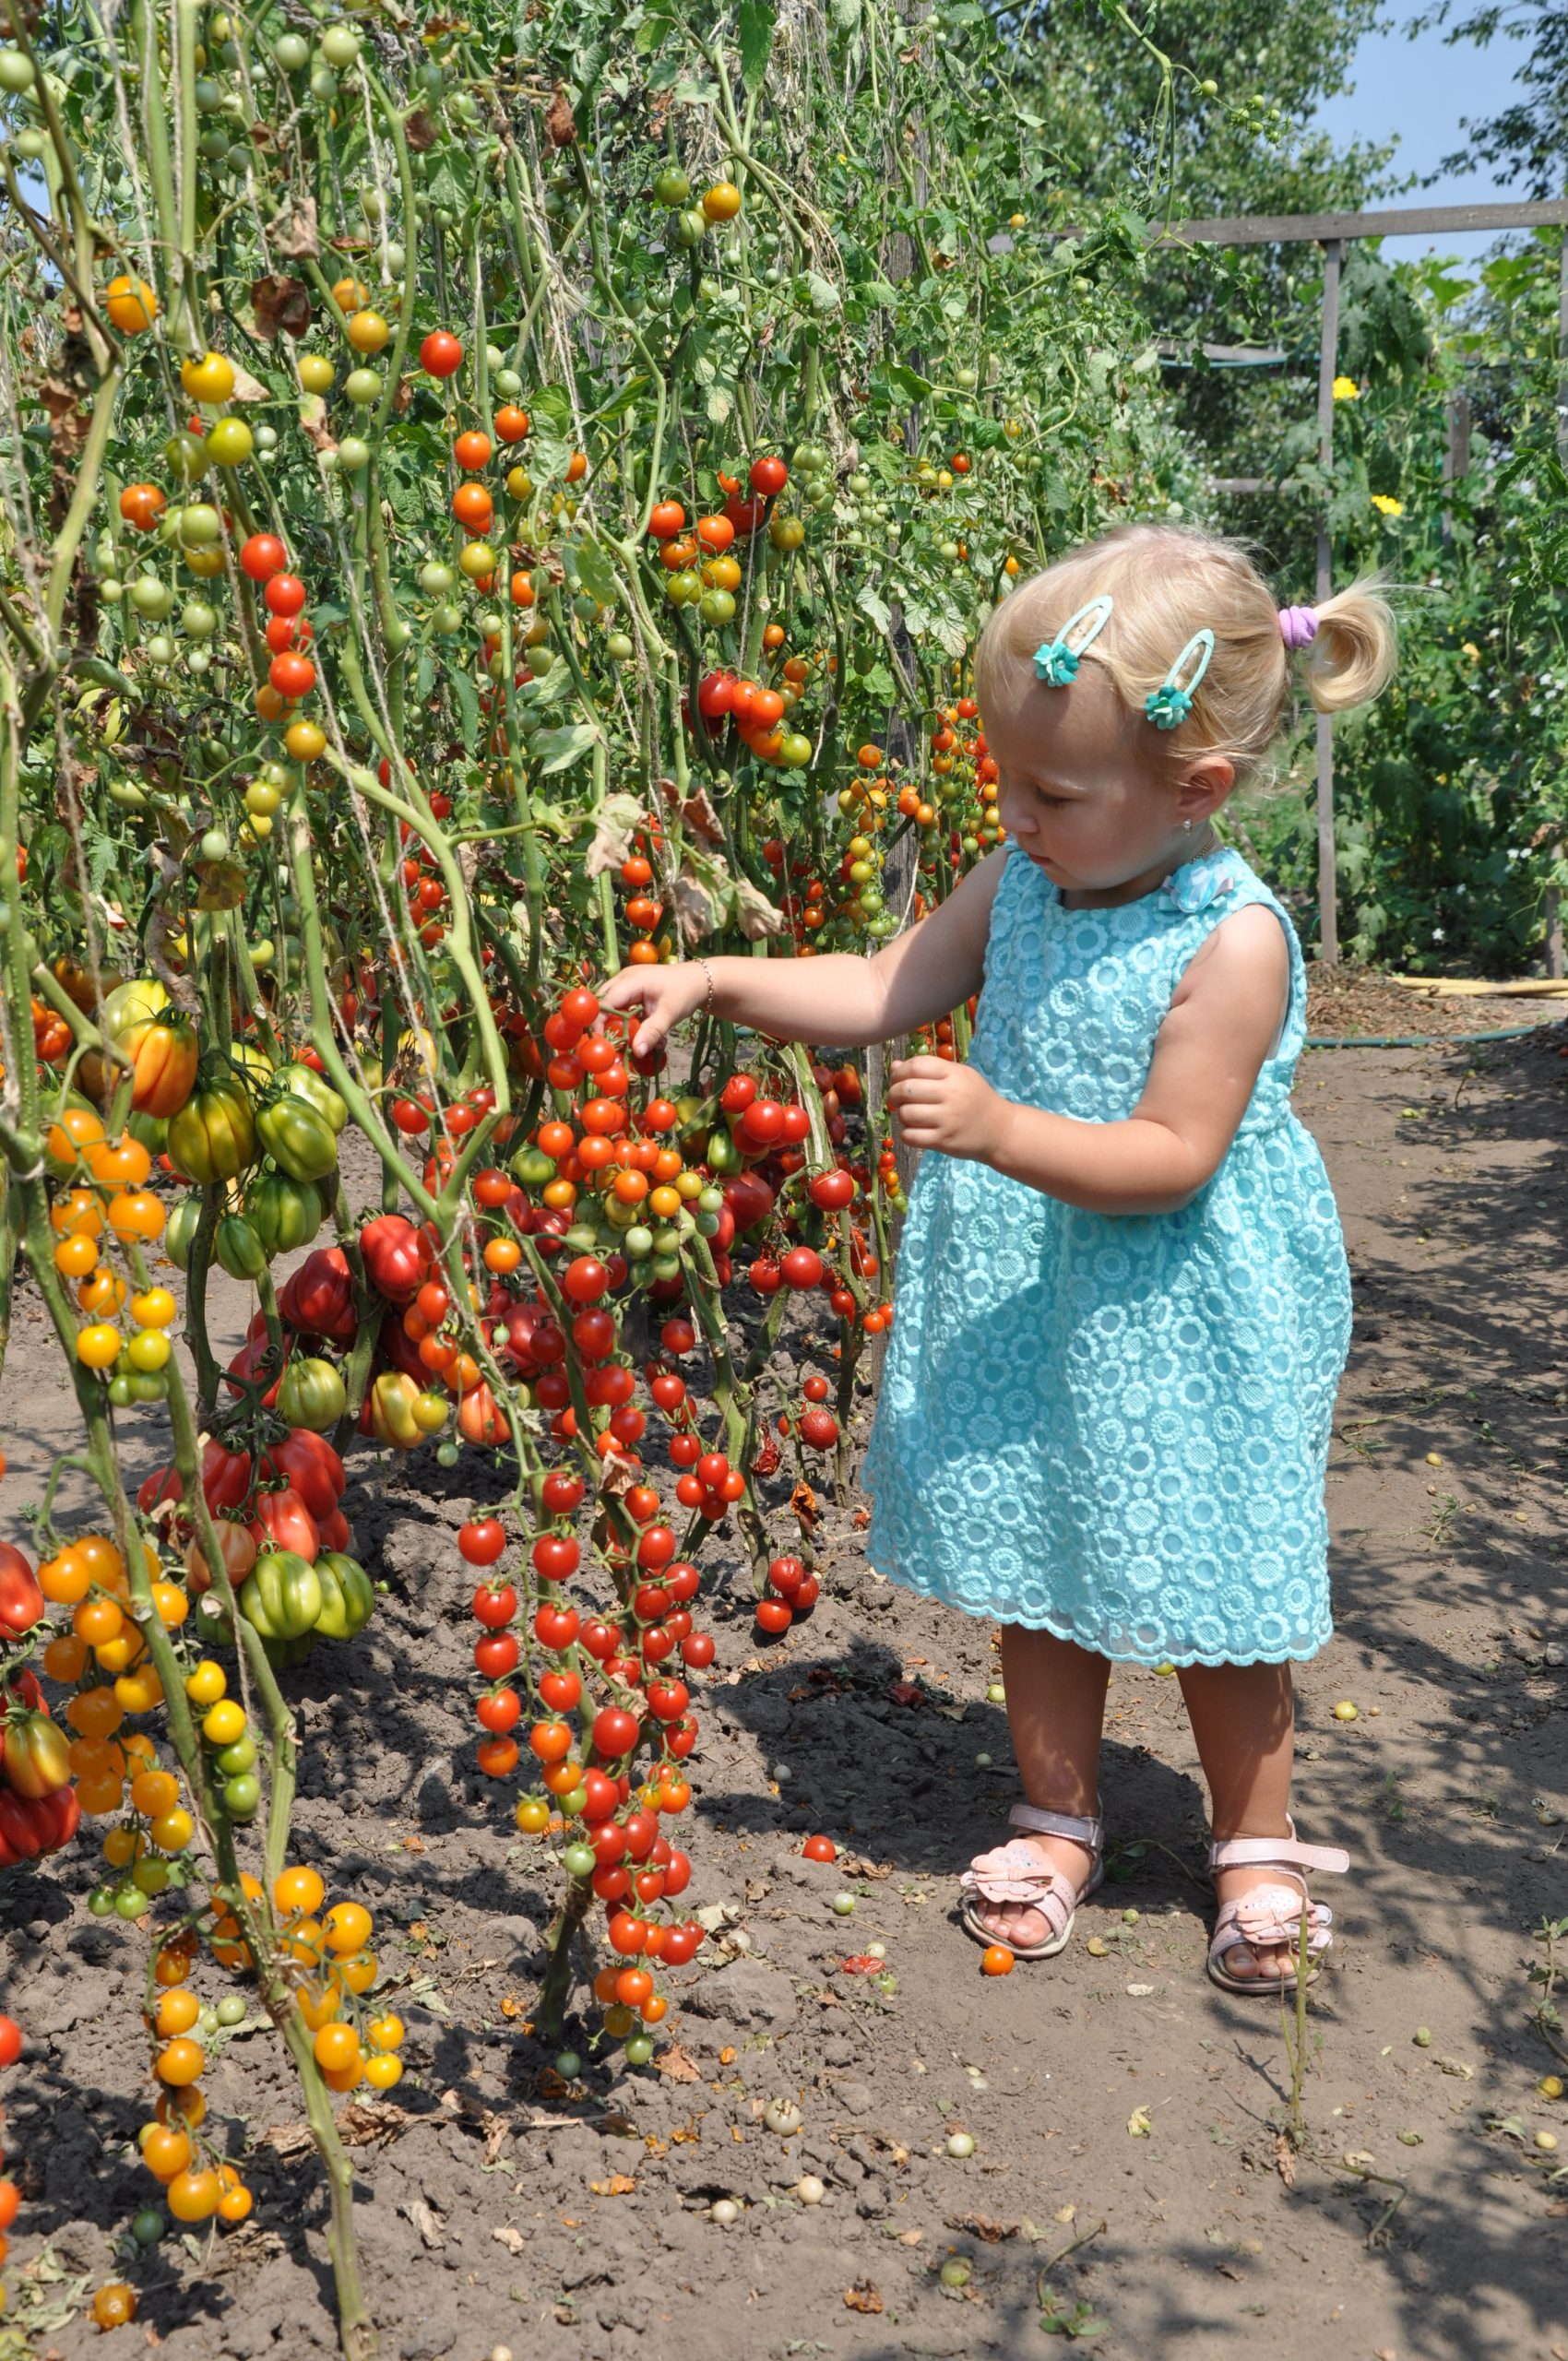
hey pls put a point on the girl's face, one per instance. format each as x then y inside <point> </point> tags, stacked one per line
<point>1081,791</point>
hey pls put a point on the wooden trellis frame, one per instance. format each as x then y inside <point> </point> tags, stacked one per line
<point>1333,231</point>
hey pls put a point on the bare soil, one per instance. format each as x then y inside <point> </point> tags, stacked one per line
<point>1115,2097</point>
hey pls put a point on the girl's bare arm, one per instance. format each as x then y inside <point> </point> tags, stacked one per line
<point>839,998</point>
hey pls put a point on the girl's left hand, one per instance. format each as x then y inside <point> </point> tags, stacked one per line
<point>948,1106</point>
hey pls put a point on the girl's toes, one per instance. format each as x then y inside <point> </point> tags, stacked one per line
<point>1241,1961</point>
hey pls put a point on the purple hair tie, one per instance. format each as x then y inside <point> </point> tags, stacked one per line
<point>1298,626</point>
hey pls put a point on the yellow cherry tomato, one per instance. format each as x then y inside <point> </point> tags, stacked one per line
<point>368,332</point>
<point>153,1307</point>
<point>148,1349</point>
<point>131,303</point>
<point>177,2013</point>
<point>223,1723</point>
<point>210,379</point>
<point>206,1683</point>
<point>99,1345</point>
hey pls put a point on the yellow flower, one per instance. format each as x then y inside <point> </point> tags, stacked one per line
<point>1387,507</point>
<point>1346,389</point>
<point>1469,649</point>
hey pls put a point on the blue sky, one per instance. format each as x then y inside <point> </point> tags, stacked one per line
<point>1417,90</point>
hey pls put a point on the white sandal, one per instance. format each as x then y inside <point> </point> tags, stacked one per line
<point>1014,1872</point>
<point>1269,1916</point>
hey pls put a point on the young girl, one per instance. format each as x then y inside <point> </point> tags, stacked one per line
<point>1123,1304</point>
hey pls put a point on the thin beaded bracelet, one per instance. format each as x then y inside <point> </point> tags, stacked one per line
<point>708,1003</point>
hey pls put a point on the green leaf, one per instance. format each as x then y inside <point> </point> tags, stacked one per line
<point>553,404</point>
<point>557,749</point>
<point>463,691</point>
<point>756,23</point>
<point>597,574</point>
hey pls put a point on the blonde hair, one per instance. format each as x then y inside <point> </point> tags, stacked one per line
<point>1167,582</point>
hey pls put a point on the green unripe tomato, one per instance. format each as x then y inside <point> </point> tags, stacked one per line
<point>618,646</point>
<point>111,590</point>
<point>446,619</point>
<point>508,383</point>
<point>579,1860</point>
<point>435,579</point>
<point>119,1390</point>
<point>100,1901</point>
<point>237,1758</point>
<point>639,2048</point>
<point>215,845</point>
<point>200,526</point>
<point>717,608</point>
<point>231,2010</point>
<point>17,70</point>
<point>184,456</point>
<point>966,376</point>
<point>448,1456</point>
<point>363,386</point>
<point>198,619</point>
<point>395,256</point>
<point>672,186</point>
<point>131,1903</point>
<point>148,2227</point>
<point>242,1797</point>
<point>291,54</point>
<point>323,85</point>
<point>267,438</point>
<point>151,598</point>
<point>30,144</point>
<point>229,443</point>
<point>150,1876</point>
<point>691,228</point>
<point>354,453</point>
<point>208,94</point>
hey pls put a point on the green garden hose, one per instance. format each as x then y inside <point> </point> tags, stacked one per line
<point>1417,1040</point>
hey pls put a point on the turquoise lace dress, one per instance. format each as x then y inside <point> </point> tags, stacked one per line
<point>1114,1427</point>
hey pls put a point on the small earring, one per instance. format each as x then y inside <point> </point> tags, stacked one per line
<point>1187,827</point>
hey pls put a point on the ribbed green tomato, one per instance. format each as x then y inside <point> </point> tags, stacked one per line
<point>281,1597</point>
<point>312,1394</point>
<point>284,1213</point>
<point>213,1136</point>
<point>306,1083</point>
<point>297,1136</point>
<point>348,1596</point>
<point>239,1250</point>
<point>180,1235</point>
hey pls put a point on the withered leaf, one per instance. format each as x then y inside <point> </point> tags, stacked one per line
<point>512,2239</point>
<point>757,915</point>
<point>281,306</point>
<point>695,809</point>
<point>618,2185</point>
<point>293,232</point>
<point>613,824</point>
<point>68,421</point>
<point>675,2065</point>
<point>981,2226</point>
<point>863,2298</point>
<point>419,132</point>
<point>805,1507</point>
<point>560,123</point>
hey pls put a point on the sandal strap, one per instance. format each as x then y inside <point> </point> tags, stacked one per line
<point>1270,1916</point>
<point>1017,1874</point>
<point>1275,1853</point>
<point>1090,1833</point>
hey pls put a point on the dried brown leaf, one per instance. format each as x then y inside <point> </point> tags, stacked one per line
<point>618,2185</point>
<point>758,917</point>
<point>560,123</point>
<point>513,2240</point>
<point>281,306</point>
<point>293,232</point>
<point>426,2221</point>
<point>980,2226</point>
<point>695,810</point>
<point>419,132</point>
<point>1284,2160</point>
<point>863,2298</point>
<point>675,2065</point>
<point>805,1507</point>
<point>693,905</point>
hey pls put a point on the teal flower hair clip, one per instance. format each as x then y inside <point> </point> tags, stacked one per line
<point>1056,660</point>
<point>1172,701</point>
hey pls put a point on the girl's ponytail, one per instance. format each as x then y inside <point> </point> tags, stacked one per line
<point>1353,654</point>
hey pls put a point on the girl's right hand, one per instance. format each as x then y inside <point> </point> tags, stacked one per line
<point>665,995</point>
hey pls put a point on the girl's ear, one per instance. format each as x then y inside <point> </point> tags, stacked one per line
<point>1203,788</point>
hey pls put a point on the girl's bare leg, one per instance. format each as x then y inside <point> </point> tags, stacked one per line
<point>1055,1713</point>
<point>1244,1724</point>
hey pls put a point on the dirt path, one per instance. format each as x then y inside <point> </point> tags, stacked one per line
<point>1113,2087</point>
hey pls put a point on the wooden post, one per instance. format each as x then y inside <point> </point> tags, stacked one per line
<point>1456,454</point>
<point>1327,877</point>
